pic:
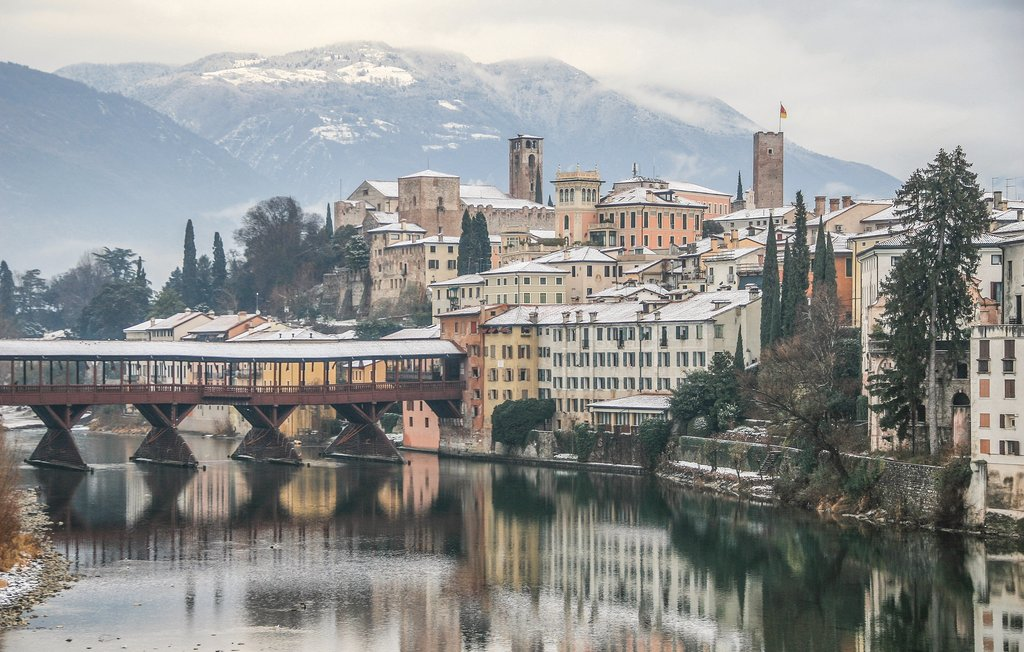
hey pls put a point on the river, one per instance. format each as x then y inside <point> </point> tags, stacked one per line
<point>445,554</point>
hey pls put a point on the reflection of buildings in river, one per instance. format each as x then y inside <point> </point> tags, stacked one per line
<point>312,494</point>
<point>999,605</point>
<point>591,573</point>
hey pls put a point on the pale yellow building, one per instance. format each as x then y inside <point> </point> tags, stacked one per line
<point>525,283</point>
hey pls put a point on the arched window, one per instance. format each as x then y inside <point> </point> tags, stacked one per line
<point>566,222</point>
<point>572,194</point>
<point>532,161</point>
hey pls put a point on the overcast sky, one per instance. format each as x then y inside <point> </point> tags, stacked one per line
<point>881,82</point>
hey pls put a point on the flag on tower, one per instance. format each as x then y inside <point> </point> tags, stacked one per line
<point>782,112</point>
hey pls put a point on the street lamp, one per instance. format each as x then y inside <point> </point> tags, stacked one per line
<point>257,303</point>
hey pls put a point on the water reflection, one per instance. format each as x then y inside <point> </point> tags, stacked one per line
<point>444,554</point>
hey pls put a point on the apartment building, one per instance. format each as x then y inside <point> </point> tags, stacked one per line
<point>578,354</point>
<point>528,282</point>
<point>995,408</point>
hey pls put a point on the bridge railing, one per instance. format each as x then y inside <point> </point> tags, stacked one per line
<point>220,391</point>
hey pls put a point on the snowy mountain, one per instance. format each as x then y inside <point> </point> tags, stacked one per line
<point>81,169</point>
<point>314,119</point>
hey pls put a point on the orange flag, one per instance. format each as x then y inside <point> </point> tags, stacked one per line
<point>782,112</point>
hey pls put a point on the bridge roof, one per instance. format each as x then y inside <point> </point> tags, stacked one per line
<point>281,351</point>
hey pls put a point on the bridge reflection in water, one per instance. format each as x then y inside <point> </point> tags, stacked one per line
<point>443,554</point>
<point>264,381</point>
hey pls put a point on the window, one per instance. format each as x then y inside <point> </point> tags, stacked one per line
<point>700,332</point>
<point>719,331</point>
<point>1009,388</point>
<point>1009,447</point>
<point>433,264</point>
<point>983,387</point>
<point>997,259</point>
<point>453,264</point>
<point>849,267</point>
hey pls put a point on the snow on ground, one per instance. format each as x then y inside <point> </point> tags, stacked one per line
<point>246,75</point>
<point>339,133</point>
<point>721,470</point>
<point>20,580</point>
<point>365,72</point>
<point>18,417</point>
<point>445,104</point>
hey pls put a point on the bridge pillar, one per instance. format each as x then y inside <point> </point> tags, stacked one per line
<point>163,444</point>
<point>265,442</point>
<point>363,438</point>
<point>57,448</point>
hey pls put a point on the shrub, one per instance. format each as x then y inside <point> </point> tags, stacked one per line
<point>13,544</point>
<point>586,440</point>
<point>512,421</point>
<point>388,421</point>
<point>654,435</point>
<point>953,481</point>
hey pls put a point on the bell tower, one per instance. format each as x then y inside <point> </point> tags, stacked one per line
<point>526,168</point>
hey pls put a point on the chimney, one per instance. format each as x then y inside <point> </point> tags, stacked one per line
<point>819,205</point>
<point>754,291</point>
<point>997,198</point>
<point>242,315</point>
<point>565,316</point>
<point>579,316</point>
<point>833,205</point>
<point>847,201</point>
<point>532,317</point>
<point>1020,214</point>
<point>593,316</point>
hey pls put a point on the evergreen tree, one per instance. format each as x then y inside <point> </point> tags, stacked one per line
<point>739,186</point>
<point>482,243</point>
<point>219,273</point>
<point>550,203</point>
<point>770,289</point>
<point>794,316</point>
<point>189,286</point>
<point>943,204</point>
<point>357,253</point>
<point>466,244</point>
<point>204,283</point>
<point>787,306</point>
<point>168,302</point>
<point>817,269</point>
<point>329,224</point>
<point>738,357</point>
<point>7,290</point>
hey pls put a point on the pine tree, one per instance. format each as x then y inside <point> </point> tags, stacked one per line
<point>189,289</point>
<point>738,357</point>
<point>943,205</point>
<point>817,270</point>
<point>787,302</point>
<point>466,244</point>
<point>482,243</point>
<point>7,289</point>
<point>551,204</point>
<point>770,290</point>
<point>739,186</point>
<point>329,224</point>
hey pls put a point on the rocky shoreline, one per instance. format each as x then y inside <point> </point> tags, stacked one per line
<point>45,575</point>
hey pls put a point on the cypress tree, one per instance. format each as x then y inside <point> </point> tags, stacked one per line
<point>219,274</point>
<point>6,291</point>
<point>739,186</point>
<point>801,264</point>
<point>466,244</point>
<point>482,238</point>
<point>770,289</point>
<point>818,269</point>
<point>189,271</point>
<point>787,307</point>
<point>329,224</point>
<point>737,359</point>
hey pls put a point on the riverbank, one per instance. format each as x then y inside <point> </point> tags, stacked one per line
<point>35,579</point>
<point>567,462</point>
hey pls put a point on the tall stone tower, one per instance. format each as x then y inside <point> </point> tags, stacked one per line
<point>526,168</point>
<point>577,194</point>
<point>768,169</point>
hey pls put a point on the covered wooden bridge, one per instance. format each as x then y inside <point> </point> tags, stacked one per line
<point>264,381</point>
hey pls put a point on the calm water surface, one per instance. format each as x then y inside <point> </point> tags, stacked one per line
<point>446,555</point>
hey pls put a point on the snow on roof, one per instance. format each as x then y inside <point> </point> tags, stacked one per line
<point>429,173</point>
<point>1009,215</point>
<point>434,239</point>
<point>700,307</point>
<point>525,267</point>
<point>267,333</point>
<point>754,214</point>
<point>386,188</point>
<point>399,227</point>
<point>685,186</point>
<point>629,290</point>
<point>576,255</point>
<point>731,254</point>
<point>383,217</point>
<point>227,351</point>
<point>543,234</point>
<point>481,191</point>
<point>425,333</point>
<point>700,247</point>
<point>223,323</point>
<point>507,203</point>
<point>651,402</point>
<point>884,216</point>
<point>646,196</point>
<point>1011,228</point>
<point>465,279</point>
